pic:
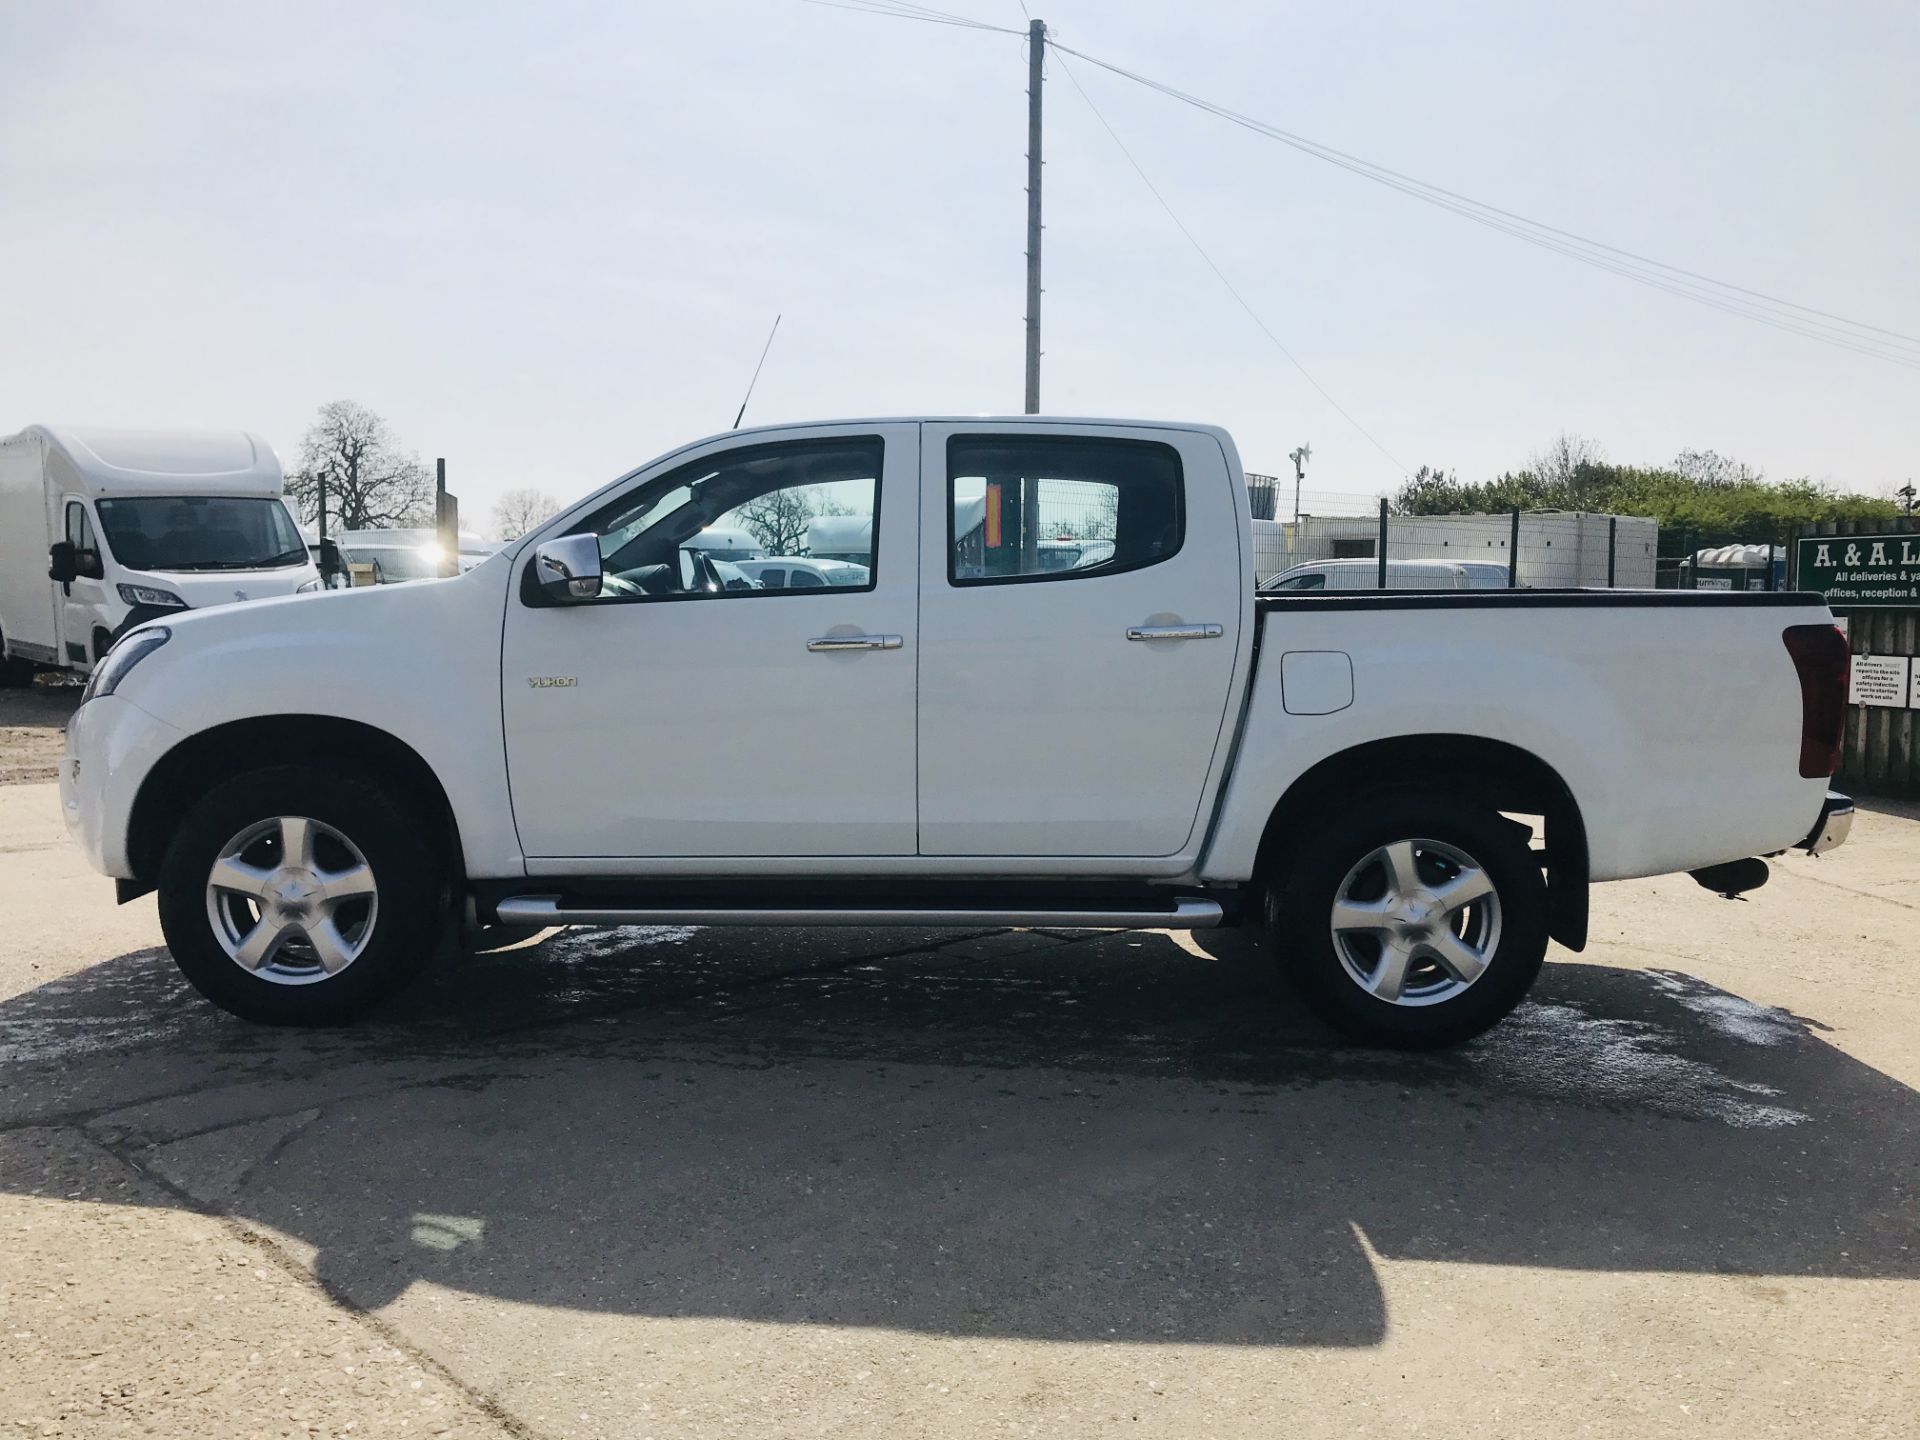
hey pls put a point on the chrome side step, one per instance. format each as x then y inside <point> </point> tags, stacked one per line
<point>543,910</point>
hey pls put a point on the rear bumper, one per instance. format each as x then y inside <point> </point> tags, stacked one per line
<point>1831,829</point>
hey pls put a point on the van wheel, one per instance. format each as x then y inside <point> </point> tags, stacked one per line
<point>296,896</point>
<point>14,672</point>
<point>1415,920</point>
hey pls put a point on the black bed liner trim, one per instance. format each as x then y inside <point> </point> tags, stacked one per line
<point>1538,599</point>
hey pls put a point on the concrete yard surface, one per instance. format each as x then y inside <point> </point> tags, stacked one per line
<point>688,1183</point>
<point>32,721</point>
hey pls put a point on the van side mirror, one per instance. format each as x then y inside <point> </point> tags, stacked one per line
<point>63,563</point>
<point>568,569</point>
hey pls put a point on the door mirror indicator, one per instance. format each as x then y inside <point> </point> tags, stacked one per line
<point>568,569</point>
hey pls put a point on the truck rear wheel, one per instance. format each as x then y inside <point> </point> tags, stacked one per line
<point>295,896</point>
<point>1415,920</point>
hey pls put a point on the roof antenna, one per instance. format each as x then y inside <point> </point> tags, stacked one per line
<point>756,373</point>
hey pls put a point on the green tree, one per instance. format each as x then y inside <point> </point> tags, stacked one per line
<point>1700,494</point>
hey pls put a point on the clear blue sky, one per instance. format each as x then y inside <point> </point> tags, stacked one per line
<point>546,240</point>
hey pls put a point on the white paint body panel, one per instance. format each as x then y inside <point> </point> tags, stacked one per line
<point>705,727</point>
<point>421,662</point>
<point>1676,727</point>
<point>1043,729</point>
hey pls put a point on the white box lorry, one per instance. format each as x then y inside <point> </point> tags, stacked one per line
<point>581,730</point>
<point>102,529</point>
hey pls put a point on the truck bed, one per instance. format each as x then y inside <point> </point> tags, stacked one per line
<point>1673,717</point>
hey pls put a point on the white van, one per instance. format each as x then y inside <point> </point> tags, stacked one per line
<point>1363,574</point>
<point>798,572</point>
<point>409,553</point>
<point>102,529</point>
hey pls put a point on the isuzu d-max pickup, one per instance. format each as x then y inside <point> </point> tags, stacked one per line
<point>1410,792</point>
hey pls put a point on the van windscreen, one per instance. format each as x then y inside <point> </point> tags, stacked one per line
<point>200,532</point>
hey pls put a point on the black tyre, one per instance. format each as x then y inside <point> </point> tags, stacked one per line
<point>297,896</point>
<point>1413,920</point>
<point>14,672</point>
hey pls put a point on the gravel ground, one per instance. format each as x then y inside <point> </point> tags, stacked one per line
<point>672,1182</point>
<point>33,723</point>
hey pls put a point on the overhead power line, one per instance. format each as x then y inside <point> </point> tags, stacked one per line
<point>899,10</point>
<point>1805,320</point>
<point>1810,322</point>
<point>1212,265</point>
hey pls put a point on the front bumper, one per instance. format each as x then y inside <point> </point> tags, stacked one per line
<point>112,746</point>
<point>1831,829</point>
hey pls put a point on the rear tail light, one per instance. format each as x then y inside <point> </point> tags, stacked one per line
<point>1822,656</point>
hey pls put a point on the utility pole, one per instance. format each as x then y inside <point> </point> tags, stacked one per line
<point>446,521</point>
<point>1907,494</point>
<point>1299,457</point>
<point>1036,60</point>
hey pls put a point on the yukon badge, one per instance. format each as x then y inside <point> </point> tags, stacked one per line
<point>552,682</point>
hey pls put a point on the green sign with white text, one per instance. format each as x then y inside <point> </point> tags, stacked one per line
<point>1862,570</point>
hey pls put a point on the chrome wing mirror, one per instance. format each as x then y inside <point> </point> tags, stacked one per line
<point>569,568</point>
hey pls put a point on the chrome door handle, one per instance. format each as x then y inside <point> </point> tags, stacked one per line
<point>829,643</point>
<point>1174,632</point>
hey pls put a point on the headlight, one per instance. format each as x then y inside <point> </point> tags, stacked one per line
<point>151,595</point>
<point>312,585</point>
<point>133,647</point>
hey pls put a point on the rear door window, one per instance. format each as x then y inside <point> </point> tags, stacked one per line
<point>1039,508</point>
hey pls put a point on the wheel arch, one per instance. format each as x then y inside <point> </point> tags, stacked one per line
<point>201,761</point>
<point>1505,776</point>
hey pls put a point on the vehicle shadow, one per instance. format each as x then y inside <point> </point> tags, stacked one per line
<point>1074,1137</point>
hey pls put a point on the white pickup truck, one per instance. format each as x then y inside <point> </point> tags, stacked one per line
<point>590,728</point>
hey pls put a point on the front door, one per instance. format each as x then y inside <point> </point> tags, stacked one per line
<point>681,715</point>
<point>83,602</point>
<point>1079,625</point>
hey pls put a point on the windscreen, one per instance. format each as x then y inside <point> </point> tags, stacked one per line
<point>201,532</point>
<point>395,563</point>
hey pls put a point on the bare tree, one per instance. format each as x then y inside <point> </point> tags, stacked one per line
<point>779,519</point>
<point>1714,471</point>
<point>518,511</point>
<point>1566,468</point>
<point>370,482</point>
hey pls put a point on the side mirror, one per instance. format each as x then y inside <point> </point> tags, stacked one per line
<point>63,563</point>
<point>568,568</point>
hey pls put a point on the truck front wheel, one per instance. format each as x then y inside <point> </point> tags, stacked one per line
<point>1413,920</point>
<point>296,896</point>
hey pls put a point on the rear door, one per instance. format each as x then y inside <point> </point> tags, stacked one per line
<point>1072,712</point>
